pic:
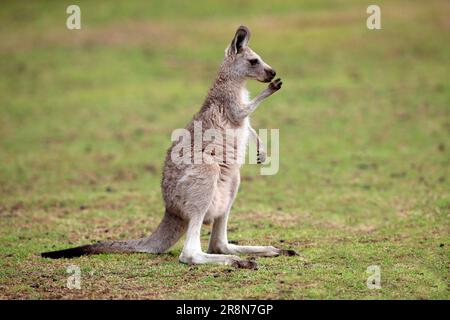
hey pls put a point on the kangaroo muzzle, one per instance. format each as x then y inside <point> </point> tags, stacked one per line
<point>270,74</point>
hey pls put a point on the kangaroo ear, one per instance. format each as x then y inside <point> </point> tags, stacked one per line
<point>240,40</point>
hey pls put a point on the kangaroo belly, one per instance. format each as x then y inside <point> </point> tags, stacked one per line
<point>224,192</point>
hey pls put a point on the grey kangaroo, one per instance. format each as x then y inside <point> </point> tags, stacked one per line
<point>196,194</point>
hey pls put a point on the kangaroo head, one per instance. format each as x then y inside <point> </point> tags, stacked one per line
<point>242,62</point>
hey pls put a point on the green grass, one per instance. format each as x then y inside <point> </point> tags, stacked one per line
<point>86,118</point>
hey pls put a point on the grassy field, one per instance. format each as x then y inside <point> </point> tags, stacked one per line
<point>364,118</point>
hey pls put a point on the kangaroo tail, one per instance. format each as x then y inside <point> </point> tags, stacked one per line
<point>165,236</point>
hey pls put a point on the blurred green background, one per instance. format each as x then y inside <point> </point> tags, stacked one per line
<point>86,117</point>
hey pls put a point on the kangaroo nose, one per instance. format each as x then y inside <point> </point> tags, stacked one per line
<point>271,73</point>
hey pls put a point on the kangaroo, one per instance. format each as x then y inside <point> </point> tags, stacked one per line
<point>197,194</point>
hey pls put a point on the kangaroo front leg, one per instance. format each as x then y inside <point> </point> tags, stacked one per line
<point>192,252</point>
<point>260,152</point>
<point>239,114</point>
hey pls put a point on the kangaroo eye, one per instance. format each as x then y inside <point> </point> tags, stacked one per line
<point>253,61</point>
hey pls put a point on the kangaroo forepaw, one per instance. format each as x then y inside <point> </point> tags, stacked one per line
<point>275,85</point>
<point>260,156</point>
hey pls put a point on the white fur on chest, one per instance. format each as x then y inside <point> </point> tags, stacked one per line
<point>245,97</point>
<point>242,139</point>
<point>237,136</point>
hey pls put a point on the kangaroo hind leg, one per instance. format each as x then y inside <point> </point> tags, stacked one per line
<point>218,242</point>
<point>196,205</point>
